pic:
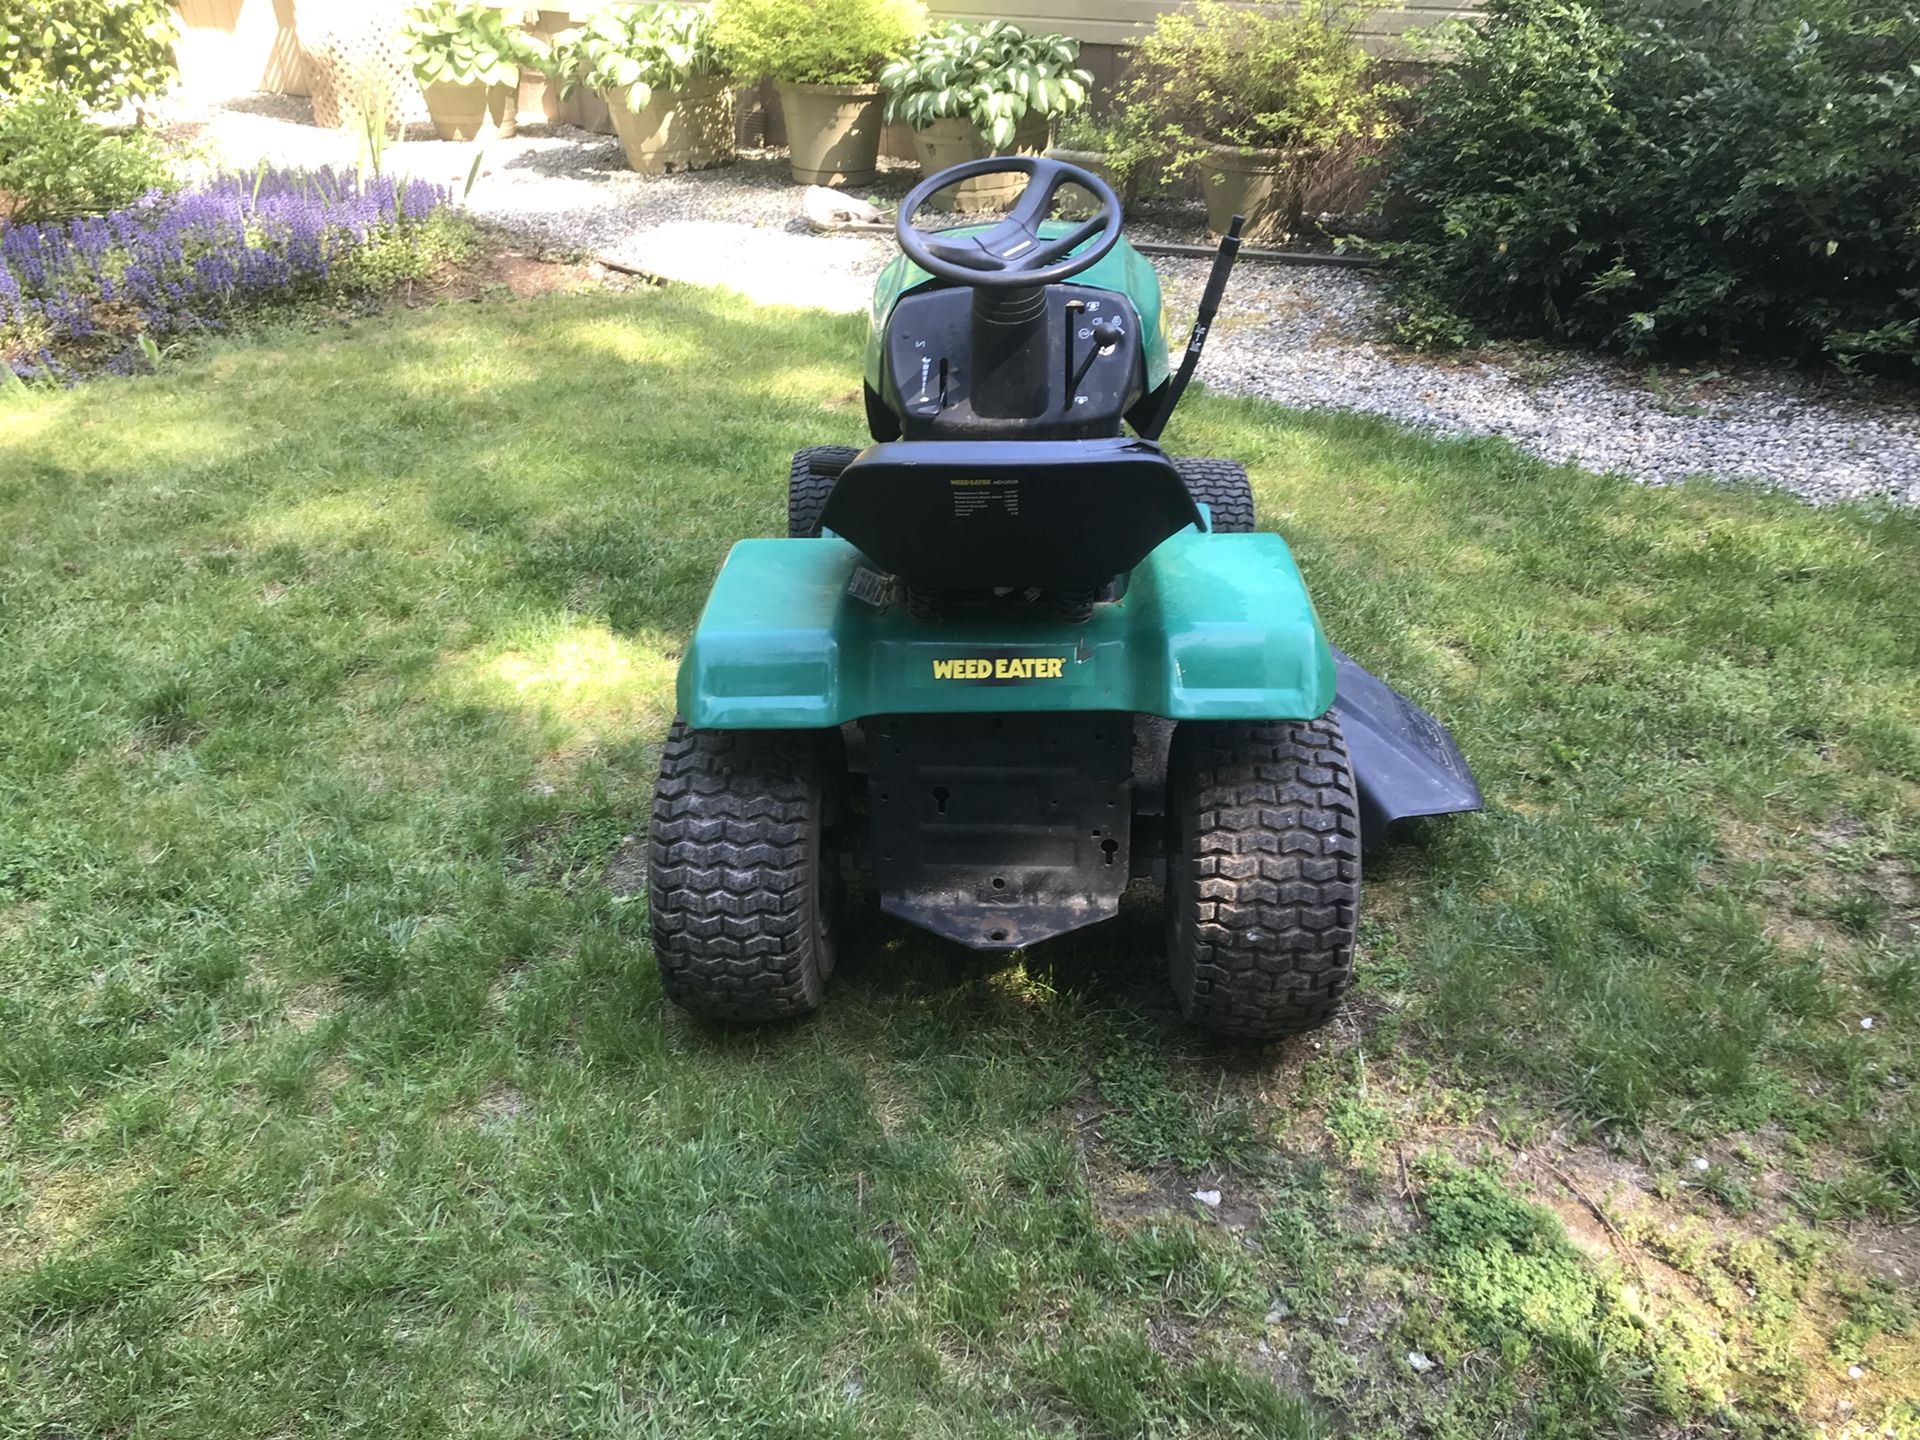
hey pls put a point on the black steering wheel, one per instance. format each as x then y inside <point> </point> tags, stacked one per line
<point>1011,255</point>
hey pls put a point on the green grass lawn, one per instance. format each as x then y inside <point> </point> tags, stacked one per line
<point>337,1096</point>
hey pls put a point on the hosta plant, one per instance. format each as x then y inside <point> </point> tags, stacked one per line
<point>457,42</point>
<point>994,74</point>
<point>633,50</point>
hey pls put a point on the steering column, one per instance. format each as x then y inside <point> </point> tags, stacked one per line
<point>1008,267</point>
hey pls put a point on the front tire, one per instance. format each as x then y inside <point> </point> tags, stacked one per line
<point>809,482</point>
<point>1222,486</point>
<point>741,881</point>
<point>1263,874</point>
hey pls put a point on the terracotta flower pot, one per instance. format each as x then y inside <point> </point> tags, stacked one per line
<point>472,112</point>
<point>1262,185</point>
<point>952,141</point>
<point>686,129</point>
<point>833,132</point>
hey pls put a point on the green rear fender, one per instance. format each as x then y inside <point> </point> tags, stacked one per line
<point>1212,627</point>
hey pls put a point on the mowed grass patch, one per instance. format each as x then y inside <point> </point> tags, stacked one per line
<point>339,1096</point>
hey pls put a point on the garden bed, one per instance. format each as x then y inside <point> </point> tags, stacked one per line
<point>110,292</point>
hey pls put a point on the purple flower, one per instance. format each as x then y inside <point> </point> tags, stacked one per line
<point>188,261</point>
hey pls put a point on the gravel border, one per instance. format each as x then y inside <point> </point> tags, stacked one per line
<point>1307,337</point>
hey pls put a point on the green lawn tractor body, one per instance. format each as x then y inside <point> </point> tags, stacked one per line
<point>1010,659</point>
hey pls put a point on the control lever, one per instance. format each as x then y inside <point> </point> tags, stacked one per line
<point>1106,335</point>
<point>1150,428</point>
<point>1071,320</point>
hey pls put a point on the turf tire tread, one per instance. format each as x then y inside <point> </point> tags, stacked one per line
<point>736,888</point>
<point>1222,486</point>
<point>1264,877</point>
<point>809,483</point>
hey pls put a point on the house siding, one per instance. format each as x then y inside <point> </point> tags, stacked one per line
<point>1115,22</point>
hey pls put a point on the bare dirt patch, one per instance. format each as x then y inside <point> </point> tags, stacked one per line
<point>626,876</point>
<point>500,1107</point>
<point>523,274</point>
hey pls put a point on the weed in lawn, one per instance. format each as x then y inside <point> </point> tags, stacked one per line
<point>1356,1123</point>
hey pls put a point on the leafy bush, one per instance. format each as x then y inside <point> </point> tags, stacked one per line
<point>463,42</point>
<point>55,163</point>
<point>816,42</point>
<point>993,74</point>
<point>86,291</point>
<point>1593,172</point>
<point>1126,150</point>
<point>103,53</point>
<point>1267,75</point>
<point>635,51</point>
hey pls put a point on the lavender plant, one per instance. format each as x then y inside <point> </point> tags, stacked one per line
<point>79,293</point>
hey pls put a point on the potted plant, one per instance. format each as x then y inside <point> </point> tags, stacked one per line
<point>467,59</point>
<point>825,58</point>
<point>1113,149</point>
<point>975,90</point>
<point>665,84</point>
<point>1251,95</point>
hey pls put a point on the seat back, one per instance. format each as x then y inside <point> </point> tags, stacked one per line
<point>970,515</point>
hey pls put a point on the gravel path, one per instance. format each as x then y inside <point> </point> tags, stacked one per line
<point>1305,338</point>
<point>1302,336</point>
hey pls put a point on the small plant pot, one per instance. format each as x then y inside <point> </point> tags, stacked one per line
<point>953,141</point>
<point>472,112</point>
<point>833,132</point>
<point>1262,185</point>
<point>1075,199</point>
<point>686,129</point>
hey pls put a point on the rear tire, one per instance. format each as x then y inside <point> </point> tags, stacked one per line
<point>1263,874</point>
<point>744,895</point>
<point>1220,485</point>
<point>809,483</point>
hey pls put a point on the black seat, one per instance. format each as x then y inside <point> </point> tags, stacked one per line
<point>1047,514</point>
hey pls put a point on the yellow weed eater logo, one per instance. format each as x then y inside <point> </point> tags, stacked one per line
<point>1000,669</point>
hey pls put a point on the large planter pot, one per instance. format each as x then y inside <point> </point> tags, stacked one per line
<point>1077,199</point>
<point>1262,185</point>
<point>833,132</point>
<point>953,141</point>
<point>472,112</point>
<point>686,129</point>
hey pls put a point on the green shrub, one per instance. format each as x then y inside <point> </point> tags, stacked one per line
<point>101,52</point>
<point>816,42</point>
<point>1267,75</point>
<point>993,74</point>
<point>633,51</point>
<point>394,255</point>
<point>1596,173</point>
<point>55,163</point>
<point>1127,151</point>
<point>463,42</point>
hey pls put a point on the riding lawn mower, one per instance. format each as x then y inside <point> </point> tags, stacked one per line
<point>1010,658</point>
